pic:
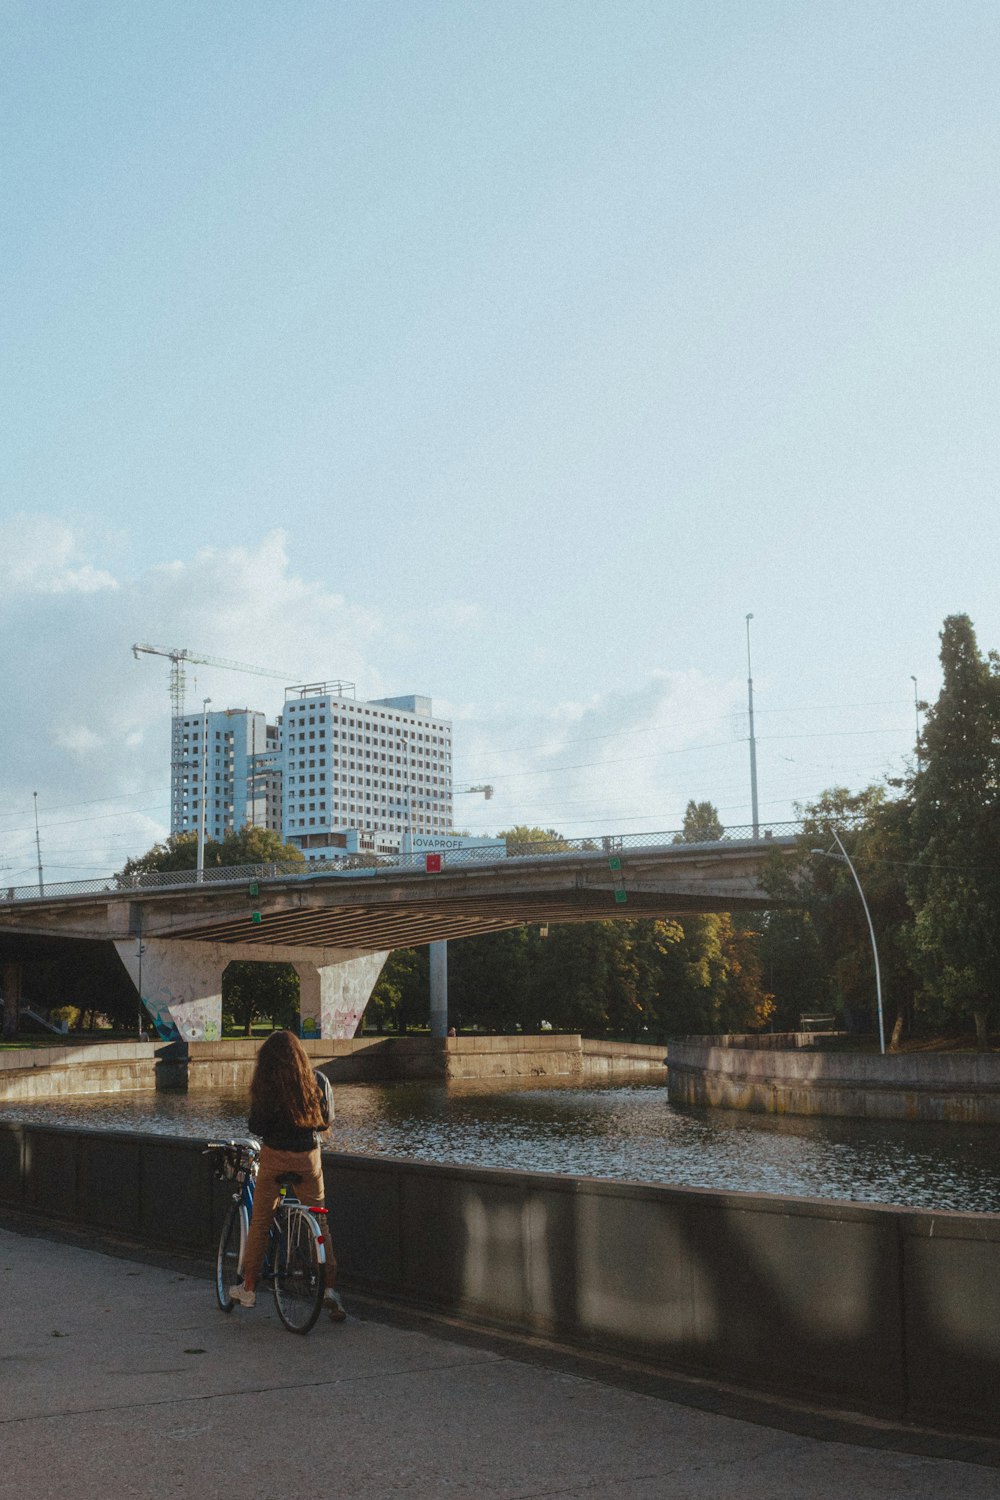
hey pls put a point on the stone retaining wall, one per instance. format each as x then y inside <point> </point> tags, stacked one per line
<point>890,1312</point>
<point>127,1067</point>
<point>29,1073</point>
<point>962,1087</point>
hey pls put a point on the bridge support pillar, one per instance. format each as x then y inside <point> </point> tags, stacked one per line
<point>180,984</point>
<point>439,988</point>
<point>333,996</point>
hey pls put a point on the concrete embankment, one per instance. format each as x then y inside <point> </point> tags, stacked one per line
<point>777,1075</point>
<point>29,1073</point>
<point>131,1067</point>
<point>890,1312</point>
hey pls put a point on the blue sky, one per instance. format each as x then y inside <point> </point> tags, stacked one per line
<point>509,353</point>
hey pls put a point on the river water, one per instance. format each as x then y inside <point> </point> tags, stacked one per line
<point>629,1132</point>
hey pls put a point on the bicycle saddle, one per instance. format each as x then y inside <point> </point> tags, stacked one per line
<point>289,1179</point>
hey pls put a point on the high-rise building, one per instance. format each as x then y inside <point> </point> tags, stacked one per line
<point>236,755</point>
<point>332,775</point>
<point>382,768</point>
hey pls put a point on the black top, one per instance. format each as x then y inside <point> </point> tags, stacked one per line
<point>279,1134</point>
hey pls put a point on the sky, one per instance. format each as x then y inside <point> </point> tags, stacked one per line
<point>510,354</point>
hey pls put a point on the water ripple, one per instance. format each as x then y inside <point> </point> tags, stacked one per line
<point>631,1133</point>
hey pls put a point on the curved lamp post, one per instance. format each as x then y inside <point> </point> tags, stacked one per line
<point>871,931</point>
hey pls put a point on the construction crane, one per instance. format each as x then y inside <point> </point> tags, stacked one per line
<point>178,655</point>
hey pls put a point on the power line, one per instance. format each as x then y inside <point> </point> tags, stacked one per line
<point>684,723</point>
<point>93,801</point>
<point>684,750</point>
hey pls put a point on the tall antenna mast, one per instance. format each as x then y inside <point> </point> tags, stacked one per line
<point>753,742</point>
<point>38,848</point>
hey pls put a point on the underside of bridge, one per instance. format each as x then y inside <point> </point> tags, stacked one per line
<point>390,925</point>
<point>176,943</point>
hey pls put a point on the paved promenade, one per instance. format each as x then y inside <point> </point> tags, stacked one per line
<point>121,1378</point>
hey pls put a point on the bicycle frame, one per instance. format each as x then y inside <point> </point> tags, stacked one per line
<point>282,1217</point>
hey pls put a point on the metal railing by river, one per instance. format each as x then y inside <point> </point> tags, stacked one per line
<point>629,1133</point>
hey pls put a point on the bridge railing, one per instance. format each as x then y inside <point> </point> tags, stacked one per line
<point>612,845</point>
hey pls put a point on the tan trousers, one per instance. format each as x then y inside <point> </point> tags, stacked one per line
<point>273,1164</point>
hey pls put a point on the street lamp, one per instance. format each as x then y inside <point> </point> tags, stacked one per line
<point>825,854</point>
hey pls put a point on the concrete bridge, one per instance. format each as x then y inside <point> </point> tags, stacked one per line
<point>177,933</point>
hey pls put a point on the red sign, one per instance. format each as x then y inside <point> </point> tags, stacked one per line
<point>432,863</point>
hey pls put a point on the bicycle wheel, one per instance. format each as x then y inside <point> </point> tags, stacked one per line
<point>229,1260</point>
<point>299,1277</point>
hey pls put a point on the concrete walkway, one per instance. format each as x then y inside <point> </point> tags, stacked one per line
<point>121,1378</point>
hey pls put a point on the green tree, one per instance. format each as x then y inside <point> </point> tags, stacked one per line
<point>178,852</point>
<point>86,977</point>
<point>693,978</point>
<point>522,837</point>
<point>245,846</point>
<point>401,997</point>
<point>702,824</point>
<point>489,979</point>
<point>256,992</point>
<point>747,1004</point>
<point>792,967</point>
<point>954,876</point>
<point>817,954</point>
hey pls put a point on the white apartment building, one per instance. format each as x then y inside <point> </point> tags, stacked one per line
<point>333,773</point>
<point>383,768</point>
<point>236,755</point>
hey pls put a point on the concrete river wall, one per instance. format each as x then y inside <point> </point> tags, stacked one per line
<point>890,1312</point>
<point>777,1075</point>
<point>131,1067</point>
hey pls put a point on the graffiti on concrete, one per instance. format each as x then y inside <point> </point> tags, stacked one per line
<point>180,1015</point>
<point>342,1021</point>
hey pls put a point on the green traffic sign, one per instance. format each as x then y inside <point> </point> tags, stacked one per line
<point>621,896</point>
<point>255,918</point>
<point>614,863</point>
<point>254,889</point>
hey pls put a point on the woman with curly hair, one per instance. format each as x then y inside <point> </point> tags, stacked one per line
<point>291,1106</point>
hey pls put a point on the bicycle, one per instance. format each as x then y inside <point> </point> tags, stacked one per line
<point>295,1259</point>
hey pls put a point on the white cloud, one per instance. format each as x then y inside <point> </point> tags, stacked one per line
<point>89,724</point>
<point>41,555</point>
<point>78,739</point>
<point>615,762</point>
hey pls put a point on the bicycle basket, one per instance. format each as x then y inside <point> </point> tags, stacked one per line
<point>232,1162</point>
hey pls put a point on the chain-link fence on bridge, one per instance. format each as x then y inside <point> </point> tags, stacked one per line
<point>366,863</point>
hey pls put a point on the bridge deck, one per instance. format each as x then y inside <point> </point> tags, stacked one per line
<point>400,906</point>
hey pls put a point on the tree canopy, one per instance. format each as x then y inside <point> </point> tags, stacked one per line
<point>702,825</point>
<point>244,846</point>
<point>954,814</point>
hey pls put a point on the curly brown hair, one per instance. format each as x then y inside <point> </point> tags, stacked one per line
<point>284,1084</point>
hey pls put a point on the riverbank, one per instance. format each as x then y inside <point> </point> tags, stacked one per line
<point>888,1312</point>
<point>792,1073</point>
<point>35,1074</point>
